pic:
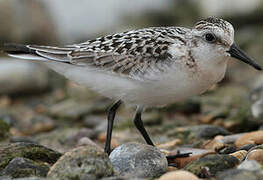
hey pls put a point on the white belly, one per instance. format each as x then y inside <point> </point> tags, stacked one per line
<point>172,87</point>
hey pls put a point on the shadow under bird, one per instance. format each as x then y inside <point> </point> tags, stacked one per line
<point>145,68</point>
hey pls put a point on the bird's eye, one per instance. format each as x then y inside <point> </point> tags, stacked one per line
<point>209,37</point>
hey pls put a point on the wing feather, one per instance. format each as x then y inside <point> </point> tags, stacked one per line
<point>133,54</point>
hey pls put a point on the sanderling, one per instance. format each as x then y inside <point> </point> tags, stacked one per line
<point>146,67</point>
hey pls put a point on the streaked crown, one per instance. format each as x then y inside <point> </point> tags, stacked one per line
<point>220,26</point>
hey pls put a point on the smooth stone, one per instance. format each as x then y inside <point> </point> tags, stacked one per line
<point>72,140</point>
<point>250,165</point>
<point>239,174</point>
<point>22,77</point>
<point>21,167</point>
<point>87,141</point>
<point>230,139</point>
<point>215,144</point>
<point>138,160</point>
<point>209,131</point>
<point>256,154</point>
<point>180,174</point>
<point>84,162</point>
<point>213,163</point>
<point>255,137</point>
<point>31,151</point>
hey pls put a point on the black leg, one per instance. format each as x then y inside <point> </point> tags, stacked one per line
<point>111,116</point>
<point>139,125</point>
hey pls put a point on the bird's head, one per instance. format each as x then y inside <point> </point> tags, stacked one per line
<point>213,40</point>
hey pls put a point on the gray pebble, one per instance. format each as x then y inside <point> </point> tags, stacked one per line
<point>239,174</point>
<point>138,160</point>
<point>251,165</point>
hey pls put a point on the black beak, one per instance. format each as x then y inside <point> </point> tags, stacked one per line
<point>237,53</point>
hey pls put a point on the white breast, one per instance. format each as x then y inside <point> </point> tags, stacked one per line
<point>174,86</point>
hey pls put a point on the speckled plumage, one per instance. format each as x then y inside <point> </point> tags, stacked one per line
<point>130,53</point>
<point>148,67</point>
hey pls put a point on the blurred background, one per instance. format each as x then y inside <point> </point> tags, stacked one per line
<point>39,105</point>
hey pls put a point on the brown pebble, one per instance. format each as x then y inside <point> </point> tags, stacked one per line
<point>87,141</point>
<point>169,144</point>
<point>180,174</point>
<point>255,137</point>
<point>215,144</point>
<point>240,155</point>
<point>256,154</point>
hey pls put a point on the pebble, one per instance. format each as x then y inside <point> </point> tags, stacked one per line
<point>170,144</point>
<point>208,131</point>
<point>83,162</point>
<point>22,77</point>
<point>250,165</point>
<point>255,137</point>
<point>239,174</point>
<point>230,139</point>
<point>215,144</point>
<point>87,141</point>
<point>21,167</point>
<point>180,174</point>
<point>72,140</point>
<point>256,154</point>
<point>138,160</point>
<point>31,151</point>
<point>209,165</point>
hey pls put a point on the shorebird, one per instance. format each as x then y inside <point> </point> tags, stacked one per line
<point>146,67</point>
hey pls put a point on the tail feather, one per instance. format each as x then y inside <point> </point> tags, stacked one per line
<point>11,48</point>
<point>33,52</point>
